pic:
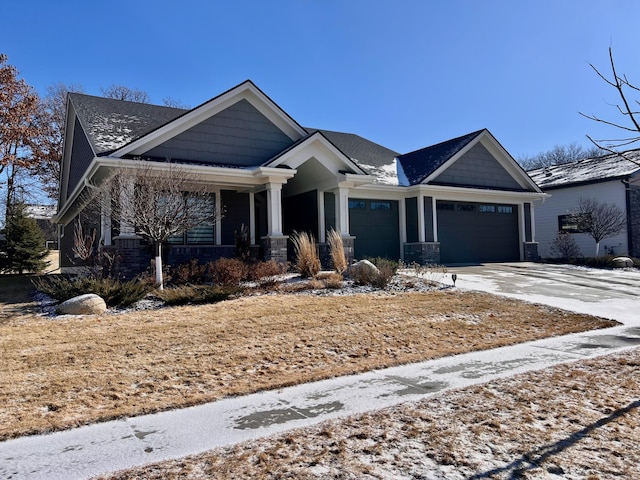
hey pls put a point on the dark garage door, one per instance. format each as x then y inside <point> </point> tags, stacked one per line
<point>374,223</point>
<point>477,232</point>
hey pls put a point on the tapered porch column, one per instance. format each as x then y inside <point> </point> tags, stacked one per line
<point>105,219</point>
<point>275,243</point>
<point>421,225</point>
<point>342,211</point>
<point>126,205</point>
<point>274,209</point>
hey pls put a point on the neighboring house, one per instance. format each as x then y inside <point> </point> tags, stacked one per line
<point>463,200</point>
<point>608,179</point>
<point>43,214</point>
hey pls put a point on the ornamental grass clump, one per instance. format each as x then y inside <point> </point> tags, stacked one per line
<point>336,251</point>
<point>307,261</point>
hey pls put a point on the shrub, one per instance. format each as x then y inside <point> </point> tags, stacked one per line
<point>114,292</point>
<point>227,271</point>
<point>331,280</point>
<point>431,273</point>
<point>188,273</point>
<point>363,274</point>
<point>307,261</point>
<point>564,247</point>
<point>265,271</point>
<point>186,294</point>
<point>336,251</point>
<point>243,243</point>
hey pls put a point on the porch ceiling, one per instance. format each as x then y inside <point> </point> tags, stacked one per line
<point>311,175</point>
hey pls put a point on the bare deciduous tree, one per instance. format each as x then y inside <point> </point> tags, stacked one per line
<point>599,220</point>
<point>627,108</point>
<point>157,201</point>
<point>559,155</point>
<point>120,92</point>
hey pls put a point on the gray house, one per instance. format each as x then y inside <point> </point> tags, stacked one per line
<point>613,179</point>
<point>463,200</point>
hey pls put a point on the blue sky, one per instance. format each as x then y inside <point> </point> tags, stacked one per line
<point>404,73</point>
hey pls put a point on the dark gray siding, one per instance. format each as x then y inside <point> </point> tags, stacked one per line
<point>329,211</point>
<point>528,236</point>
<point>81,156</point>
<point>411,209</point>
<point>478,168</point>
<point>428,219</point>
<point>239,135</point>
<point>236,213</point>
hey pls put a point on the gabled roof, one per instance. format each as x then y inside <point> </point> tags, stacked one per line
<point>589,170</point>
<point>110,123</point>
<point>418,165</point>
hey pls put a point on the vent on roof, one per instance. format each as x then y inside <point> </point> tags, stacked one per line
<point>547,172</point>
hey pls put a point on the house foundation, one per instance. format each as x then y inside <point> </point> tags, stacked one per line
<point>423,253</point>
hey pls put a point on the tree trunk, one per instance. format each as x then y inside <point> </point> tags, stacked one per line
<point>597,248</point>
<point>159,279</point>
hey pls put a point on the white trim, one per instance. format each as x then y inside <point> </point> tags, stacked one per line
<point>435,219</point>
<point>402,212</point>
<point>532,219</point>
<point>522,230</point>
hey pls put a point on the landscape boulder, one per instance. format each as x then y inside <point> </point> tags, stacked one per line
<point>622,262</point>
<point>88,304</point>
<point>366,266</point>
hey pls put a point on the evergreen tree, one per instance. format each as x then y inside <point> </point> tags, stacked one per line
<point>24,243</point>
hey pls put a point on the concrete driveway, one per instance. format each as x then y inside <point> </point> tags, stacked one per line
<point>611,294</point>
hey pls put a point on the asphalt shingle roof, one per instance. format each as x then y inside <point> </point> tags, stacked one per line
<point>111,124</point>
<point>419,164</point>
<point>589,170</point>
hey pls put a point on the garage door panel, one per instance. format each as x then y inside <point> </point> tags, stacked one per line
<point>375,224</point>
<point>474,232</point>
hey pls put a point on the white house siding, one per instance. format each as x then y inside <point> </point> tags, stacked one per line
<point>563,201</point>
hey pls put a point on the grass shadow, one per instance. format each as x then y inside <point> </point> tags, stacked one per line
<point>535,458</point>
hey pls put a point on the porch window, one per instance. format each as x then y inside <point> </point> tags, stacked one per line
<point>202,234</point>
<point>571,223</point>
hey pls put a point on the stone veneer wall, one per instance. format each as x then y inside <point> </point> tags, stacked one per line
<point>531,252</point>
<point>275,248</point>
<point>422,253</point>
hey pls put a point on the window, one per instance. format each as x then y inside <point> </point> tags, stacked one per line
<point>357,204</point>
<point>505,209</point>
<point>202,234</point>
<point>380,205</point>
<point>570,223</point>
<point>465,207</point>
<point>487,209</point>
<point>444,206</point>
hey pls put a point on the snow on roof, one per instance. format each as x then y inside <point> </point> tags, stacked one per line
<point>40,212</point>
<point>384,175</point>
<point>588,170</point>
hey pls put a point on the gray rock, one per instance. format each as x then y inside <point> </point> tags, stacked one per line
<point>365,264</point>
<point>88,304</point>
<point>622,262</point>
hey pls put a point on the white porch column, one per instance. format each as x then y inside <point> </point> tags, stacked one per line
<point>342,211</point>
<point>105,219</point>
<point>252,218</point>
<point>126,205</point>
<point>402,213</point>
<point>322,228</point>
<point>435,219</point>
<point>421,225</point>
<point>523,229</point>
<point>274,209</point>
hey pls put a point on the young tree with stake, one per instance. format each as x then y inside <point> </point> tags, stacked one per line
<point>156,201</point>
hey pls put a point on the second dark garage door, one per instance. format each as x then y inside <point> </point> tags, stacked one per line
<point>374,223</point>
<point>477,232</point>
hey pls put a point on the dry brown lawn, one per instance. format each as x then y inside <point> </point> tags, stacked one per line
<point>57,373</point>
<point>576,421</point>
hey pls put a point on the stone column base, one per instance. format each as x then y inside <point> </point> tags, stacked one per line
<point>423,253</point>
<point>531,252</point>
<point>133,256</point>
<point>275,248</point>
